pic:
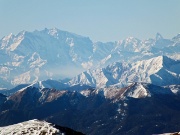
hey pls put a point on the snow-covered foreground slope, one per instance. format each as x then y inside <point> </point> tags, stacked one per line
<point>159,70</point>
<point>29,57</point>
<point>30,127</point>
<point>35,127</point>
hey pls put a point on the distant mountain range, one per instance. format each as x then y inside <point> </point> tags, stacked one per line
<point>29,57</point>
<point>124,87</point>
<point>159,70</point>
<point>140,108</point>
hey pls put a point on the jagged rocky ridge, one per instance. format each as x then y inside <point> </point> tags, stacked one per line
<point>98,111</point>
<point>51,53</point>
<point>159,70</point>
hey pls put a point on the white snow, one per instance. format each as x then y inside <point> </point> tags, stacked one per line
<point>36,61</point>
<point>22,79</point>
<point>57,52</point>
<point>16,43</point>
<point>174,88</point>
<point>31,127</point>
<point>51,84</point>
<point>109,93</point>
<point>4,70</point>
<point>70,41</point>
<point>87,65</point>
<point>6,41</point>
<point>86,93</point>
<point>176,133</point>
<point>121,73</point>
<point>53,32</point>
<point>138,92</point>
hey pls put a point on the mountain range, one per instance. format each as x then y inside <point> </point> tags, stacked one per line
<point>29,57</point>
<point>126,87</point>
<point>98,110</point>
<point>159,70</point>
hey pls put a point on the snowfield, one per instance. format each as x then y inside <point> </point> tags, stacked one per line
<point>31,127</point>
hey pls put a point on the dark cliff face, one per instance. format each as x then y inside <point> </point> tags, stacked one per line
<point>96,114</point>
<point>68,131</point>
<point>2,99</point>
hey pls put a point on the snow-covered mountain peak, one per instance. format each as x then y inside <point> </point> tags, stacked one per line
<point>130,44</point>
<point>154,64</point>
<point>53,32</point>
<point>119,41</point>
<point>159,36</point>
<point>51,53</point>
<point>8,37</point>
<point>59,34</point>
<point>38,55</point>
<point>21,33</point>
<point>137,90</point>
<point>142,90</point>
<point>50,84</point>
<point>176,38</point>
<point>131,39</point>
<point>114,93</point>
<point>6,41</point>
<point>11,42</point>
<point>157,70</point>
<point>16,42</point>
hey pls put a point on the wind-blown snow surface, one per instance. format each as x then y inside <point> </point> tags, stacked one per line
<point>34,127</point>
<point>160,70</point>
<point>51,53</point>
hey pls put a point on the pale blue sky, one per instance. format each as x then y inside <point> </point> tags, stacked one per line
<point>101,20</point>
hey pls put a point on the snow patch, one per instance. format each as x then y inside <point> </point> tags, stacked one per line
<point>138,92</point>
<point>86,93</point>
<point>34,127</point>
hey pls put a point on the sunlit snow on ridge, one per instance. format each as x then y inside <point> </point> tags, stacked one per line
<point>34,127</point>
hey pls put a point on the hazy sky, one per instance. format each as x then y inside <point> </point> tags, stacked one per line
<point>101,20</point>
